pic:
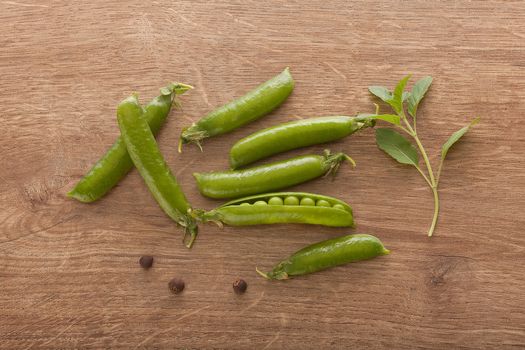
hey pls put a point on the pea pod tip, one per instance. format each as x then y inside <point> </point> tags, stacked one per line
<point>79,196</point>
<point>334,160</point>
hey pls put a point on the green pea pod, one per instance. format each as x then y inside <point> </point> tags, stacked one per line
<point>282,207</point>
<point>116,163</point>
<point>255,104</point>
<point>148,160</point>
<point>326,254</point>
<point>268,177</point>
<point>292,135</point>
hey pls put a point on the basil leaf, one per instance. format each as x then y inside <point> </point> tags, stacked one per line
<point>380,91</point>
<point>397,146</point>
<point>455,137</point>
<point>397,99</point>
<point>406,95</point>
<point>390,118</point>
<point>418,92</point>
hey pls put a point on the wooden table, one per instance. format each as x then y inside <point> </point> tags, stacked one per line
<point>69,275</point>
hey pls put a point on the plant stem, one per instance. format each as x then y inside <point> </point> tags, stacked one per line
<point>432,183</point>
<point>425,158</point>
<point>404,129</point>
<point>436,211</point>
<point>439,172</point>
<point>424,176</point>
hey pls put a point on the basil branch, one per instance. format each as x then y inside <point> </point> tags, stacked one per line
<point>398,147</point>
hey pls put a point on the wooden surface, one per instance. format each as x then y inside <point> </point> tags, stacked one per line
<point>69,276</point>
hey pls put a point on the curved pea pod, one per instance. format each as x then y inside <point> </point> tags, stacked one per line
<point>255,104</point>
<point>326,254</point>
<point>273,208</point>
<point>116,163</point>
<point>150,163</point>
<point>292,135</point>
<point>268,177</point>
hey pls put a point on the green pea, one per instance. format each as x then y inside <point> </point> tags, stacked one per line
<point>307,202</point>
<point>322,203</point>
<point>339,206</point>
<point>244,204</point>
<point>260,203</point>
<point>291,200</point>
<point>275,201</point>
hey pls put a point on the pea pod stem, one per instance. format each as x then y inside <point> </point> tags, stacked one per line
<point>265,275</point>
<point>150,163</point>
<point>116,163</point>
<point>335,161</point>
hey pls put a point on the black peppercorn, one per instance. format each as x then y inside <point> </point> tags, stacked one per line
<point>239,286</point>
<point>176,285</point>
<point>146,261</point>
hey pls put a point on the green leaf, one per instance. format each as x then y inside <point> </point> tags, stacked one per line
<point>397,146</point>
<point>380,91</point>
<point>455,137</point>
<point>397,99</point>
<point>418,92</point>
<point>390,118</point>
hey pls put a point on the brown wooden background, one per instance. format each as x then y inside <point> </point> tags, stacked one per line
<point>69,276</point>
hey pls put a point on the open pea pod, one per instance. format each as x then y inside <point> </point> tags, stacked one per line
<point>282,207</point>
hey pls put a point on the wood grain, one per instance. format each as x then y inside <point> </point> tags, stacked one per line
<point>69,272</point>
